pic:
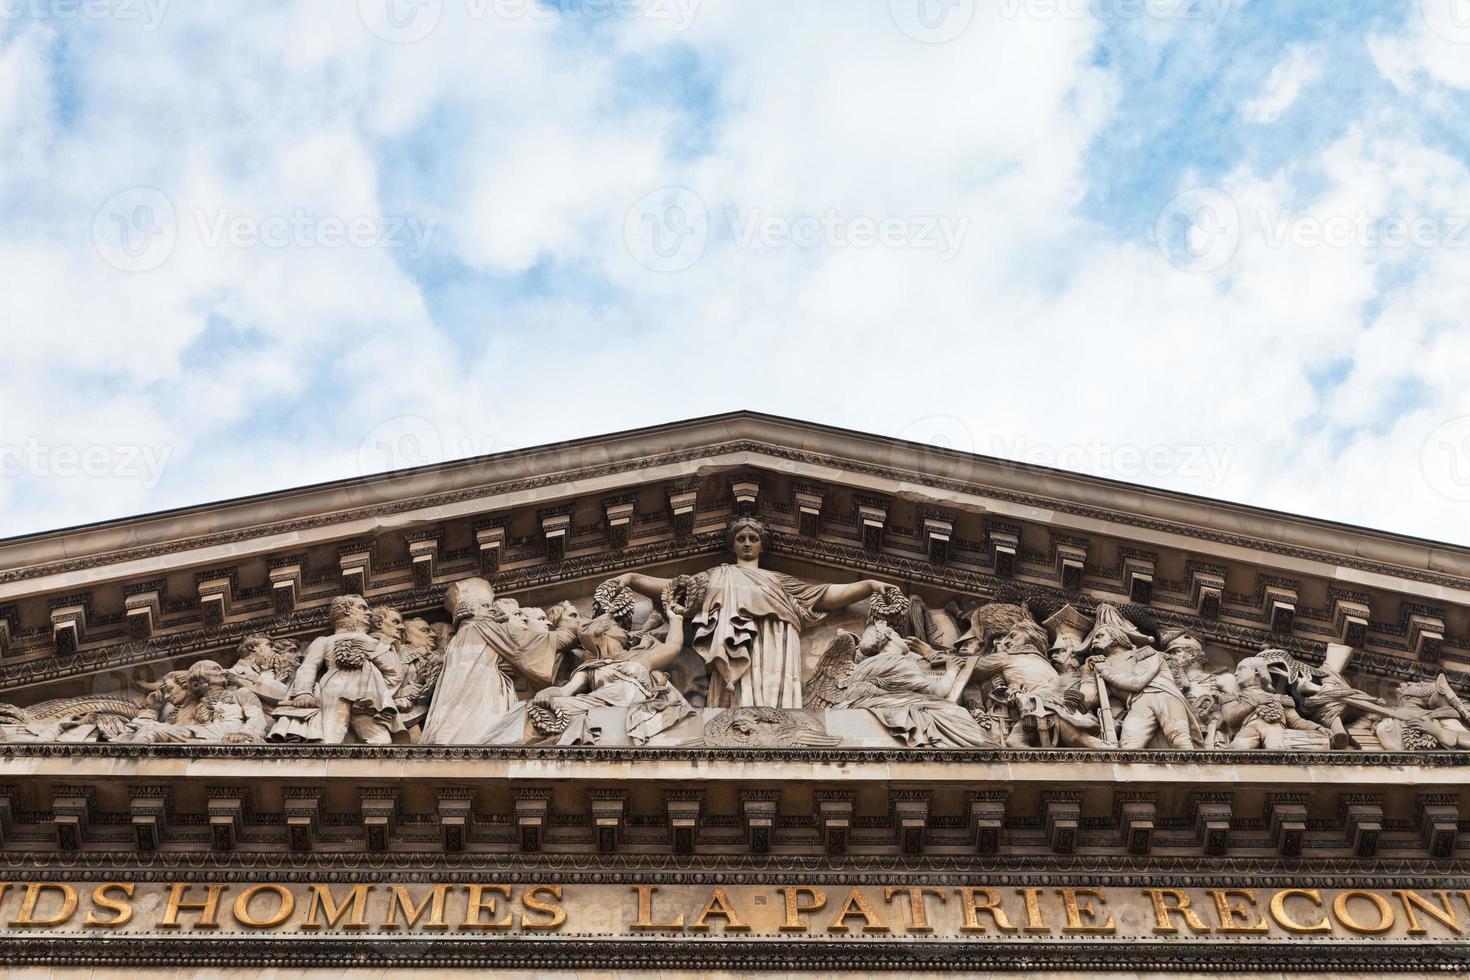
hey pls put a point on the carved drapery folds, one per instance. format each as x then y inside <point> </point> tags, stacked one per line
<point>739,655</point>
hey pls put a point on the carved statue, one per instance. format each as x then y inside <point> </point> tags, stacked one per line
<point>267,666</point>
<point>1266,720</point>
<point>476,701</point>
<point>1134,675</point>
<point>206,703</point>
<point>1042,710</point>
<point>1442,722</point>
<point>68,719</point>
<point>914,690</point>
<point>1206,690</point>
<point>422,661</point>
<point>349,677</point>
<point>748,628</point>
<point>632,679</point>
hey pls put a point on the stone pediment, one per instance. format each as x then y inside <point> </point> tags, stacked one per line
<point>859,703</point>
<point>130,598</point>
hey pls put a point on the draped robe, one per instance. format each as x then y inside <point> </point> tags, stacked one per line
<point>475,700</point>
<point>749,633</point>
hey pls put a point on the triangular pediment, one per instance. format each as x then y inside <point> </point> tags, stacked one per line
<point>132,597</point>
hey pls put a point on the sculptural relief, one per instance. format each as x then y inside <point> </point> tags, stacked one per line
<point>748,627</point>
<point>717,659</point>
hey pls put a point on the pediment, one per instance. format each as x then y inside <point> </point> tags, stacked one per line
<point>103,606</point>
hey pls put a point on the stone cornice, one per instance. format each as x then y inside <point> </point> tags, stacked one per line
<point>276,521</point>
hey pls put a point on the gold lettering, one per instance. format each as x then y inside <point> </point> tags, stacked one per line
<point>1034,920</point>
<point>1163,923</point>
<point>121,906</point>
<point>795,908</point>
<point>918,914</point>
<point>1385,913</point>
<point>645,911</point>
<point>1285,921</point>
<point>479,904</point>
<point>34,891</point>
<point>1235,919</point>
<point>535,904</point>
<point>208,909</point>
<point>286,905</point>
<point>1076,910</point>
<point>1446,914</point>
<point>719,904</point>
<point>322,901</point>
<point>857,905</point>
<point>970,902</point>
<point>412,913</point>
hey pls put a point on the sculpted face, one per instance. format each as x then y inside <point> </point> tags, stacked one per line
<point>354,615</point>
<point>748,544</point>
<point>254,646</point>
<point>879,639</point>
<point>565,616</point>
<point>417,634</point>
<point>1248,673</point>
<point>388,621</point>
<point>174,691</point>
<point>535,619</point>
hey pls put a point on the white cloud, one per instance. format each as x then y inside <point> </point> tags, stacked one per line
<point>1047,333</point>
<point>1299,69</point>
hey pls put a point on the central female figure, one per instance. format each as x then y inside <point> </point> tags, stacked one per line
<point>748,629</point>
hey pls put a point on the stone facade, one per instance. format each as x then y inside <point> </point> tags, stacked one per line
<point>733,693</point>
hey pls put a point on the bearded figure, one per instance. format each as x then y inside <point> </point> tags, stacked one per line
<point>1136,677</point>
<point>1206,690</point>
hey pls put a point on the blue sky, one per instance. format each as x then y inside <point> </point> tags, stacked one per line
<point>1219,246</point>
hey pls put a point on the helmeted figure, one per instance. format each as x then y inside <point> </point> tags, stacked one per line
<point>1139,677</point>
<point>1045,712</point>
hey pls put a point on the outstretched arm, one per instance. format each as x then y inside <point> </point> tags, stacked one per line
<point>643,584</point>
<point>841,596</point>
<point>659,657</point>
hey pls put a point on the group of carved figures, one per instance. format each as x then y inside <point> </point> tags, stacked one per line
<point>499,673</point>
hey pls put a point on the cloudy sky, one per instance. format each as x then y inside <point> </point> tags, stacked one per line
<point>1213,245</point>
